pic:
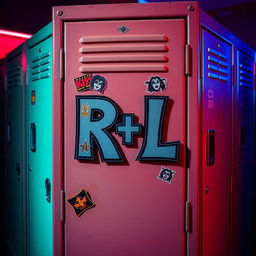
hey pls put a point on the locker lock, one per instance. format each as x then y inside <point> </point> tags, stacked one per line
<point>206,189</point>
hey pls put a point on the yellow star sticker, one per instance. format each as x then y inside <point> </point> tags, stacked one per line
<point>85,146</point>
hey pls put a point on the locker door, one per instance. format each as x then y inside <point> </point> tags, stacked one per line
<point>245,176</point>
<point>39,144</point>
<point>14,161</point>
<point>216,132</point>
<point>139,207</point>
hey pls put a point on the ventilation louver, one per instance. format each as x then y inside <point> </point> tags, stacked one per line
<point>125,53</point>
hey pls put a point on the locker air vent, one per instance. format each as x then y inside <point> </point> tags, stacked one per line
<point>124,53</point>
<point>41,66</point>
<point>14,76</point>
<point>217,65</point>
<point>245,70</point>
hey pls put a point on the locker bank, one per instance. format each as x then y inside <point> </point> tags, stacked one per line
<point>138,135</point>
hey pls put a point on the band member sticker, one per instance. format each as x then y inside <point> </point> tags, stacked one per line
<point>166,175</point>
<point>98,83</point>
<point>33,97</point>
<point>81,202</point>
<point>156,84</point>
<point>83,82</point>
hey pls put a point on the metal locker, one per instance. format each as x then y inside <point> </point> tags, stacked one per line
<point>39,143</point>
<point>14,171</point>
<point>106,152</point>
<point>216,148</point>
<point>133,207</point>
<point>2,141</point>
<point>245,178</point>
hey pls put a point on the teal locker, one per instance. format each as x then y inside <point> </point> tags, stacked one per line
<point>14,175</point>
<point>38,99</point>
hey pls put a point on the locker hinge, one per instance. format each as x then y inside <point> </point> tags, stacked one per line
<point>62,205</point>
<point>188,60</point>
<point>188,217</point>
<point>62,55</point>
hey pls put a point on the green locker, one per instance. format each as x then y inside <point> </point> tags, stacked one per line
<point>38,98</point>
<point>14,174</point>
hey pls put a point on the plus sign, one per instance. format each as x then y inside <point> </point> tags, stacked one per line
<point>127,129</point>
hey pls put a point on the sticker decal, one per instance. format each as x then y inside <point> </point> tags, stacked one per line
<point>153,148</point>
<point>85,110</point>
<point>98,83</point>
<point>127,129</point>
<point>96,131</point>
<point>81,202</point>
<point>156,84</point>
<point>85,146</point>
<point>82,83</point>
<point>166,174</point>
<point>33,97</point>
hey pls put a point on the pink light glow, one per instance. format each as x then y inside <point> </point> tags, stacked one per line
<point>15,34</point>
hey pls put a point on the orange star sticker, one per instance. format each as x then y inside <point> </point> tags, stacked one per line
<point>85,146</point>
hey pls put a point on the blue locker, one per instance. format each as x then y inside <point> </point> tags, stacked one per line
<point>245,176</point>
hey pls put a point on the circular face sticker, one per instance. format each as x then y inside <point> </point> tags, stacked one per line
<point>156,84</point>
<point>166,174</point>
<point>98,83</point>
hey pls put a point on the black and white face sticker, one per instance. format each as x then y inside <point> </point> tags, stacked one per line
<point>166,174</point>
<point>156,84</point>
<point>98,83</point>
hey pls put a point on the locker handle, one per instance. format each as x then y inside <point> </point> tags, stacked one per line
<point>18,169</point>
<point>33,137</point>
<point>48,190</point>
<point>210,147</point>
<point>242,137</point>
<point>9,132</point>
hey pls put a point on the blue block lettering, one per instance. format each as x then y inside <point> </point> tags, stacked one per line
<point>95,116</point>
<point>153,148</point>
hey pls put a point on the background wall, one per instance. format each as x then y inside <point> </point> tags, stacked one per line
<point>29,16</point>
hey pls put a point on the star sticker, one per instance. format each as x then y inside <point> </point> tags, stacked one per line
<point>85,146</point>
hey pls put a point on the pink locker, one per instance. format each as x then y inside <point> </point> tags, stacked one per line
<point>142,143</point>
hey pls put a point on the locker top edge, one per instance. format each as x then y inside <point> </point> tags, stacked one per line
<point>17,51</point>
<point>39,36</point>
<point>123,11</point>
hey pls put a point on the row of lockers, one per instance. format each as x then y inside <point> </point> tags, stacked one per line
<point>129,131</point>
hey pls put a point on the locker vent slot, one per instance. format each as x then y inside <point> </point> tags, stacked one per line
<point>124,53</point>
<point>41,66</point>
<point>14,76</point>
<point>123,38</point>
<point>246,75</point>
<point>217,65</point>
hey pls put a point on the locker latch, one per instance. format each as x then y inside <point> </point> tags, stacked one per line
<point>48,190</point>
<point>210,147</point>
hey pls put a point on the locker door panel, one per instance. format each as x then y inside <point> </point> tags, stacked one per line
<point>216,132</point>
<point>136,212</point>
<point>39,147</point>
<point>244,185</point>
<point>14,162</point>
